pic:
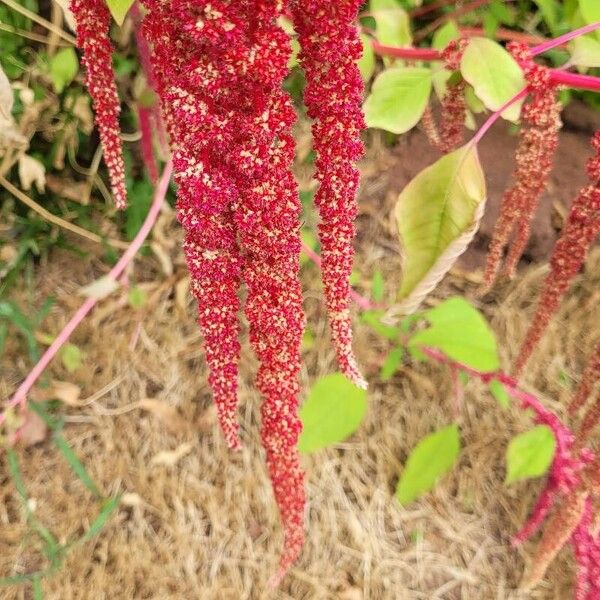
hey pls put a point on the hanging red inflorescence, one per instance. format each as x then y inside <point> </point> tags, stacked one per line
<point>590,376</point>
<point>538,141</point>
<point>581,229</point>
<point>330,47</point>
<point>196,81</point>
<point>93,24</point>
<point>219,68</point>
<point>454,104</point>
<point>268,223</point>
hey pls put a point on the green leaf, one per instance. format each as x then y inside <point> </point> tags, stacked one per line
<point>438,213</point>
<point>366,64</point>
<point>71,357</point>
<point>590,10</point>
<point>63,68</point>
<point>96,527</point>
<point>398,99</point>
<point>137,297</point>
<point>530,454</point>
<point>75,464</point>
<point>391,364</point>
<point>585,51</point>
<point>119,9</point>
<point>444,35</point>
<point>459,331</point>
<point>392,23</point>
<point>494,74</point>
<point>549,10</point>
<point>499,392</point>
<point>333,411</point>
<point>431,458</point>
<point>503,13</point>
<point>377,286</point>
<point>38,593</point>
<point>372,318</point>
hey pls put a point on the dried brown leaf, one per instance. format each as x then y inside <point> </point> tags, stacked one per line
<point>166,414</point>
<point>169,458</point>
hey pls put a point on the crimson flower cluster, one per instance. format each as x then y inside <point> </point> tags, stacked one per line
<point>581,229</point>
<point>93,23</point>
<point>330,47</point>
<point>538,141</point>
<point>217,67</point>
<point>454,106</point>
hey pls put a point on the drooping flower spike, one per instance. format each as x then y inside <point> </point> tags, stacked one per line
<point>219,68</point>
<point>449,136</point>
<point>93,24</point>
<point>330,47</point>
<point>195,116</point>
<point>538,141</point>
<point>590,376</point>
<point>581,229</point>
<point>268,223</point>
<point>454,105</point>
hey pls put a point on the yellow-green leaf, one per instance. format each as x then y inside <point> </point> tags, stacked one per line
<point>444,35</point>
<point>585,51</point>
<point>494,74</point>
<point>63,68</point>
<point>430,459</point>
<point>438,213</point>
<point>392,23</point>
<point>530,454</point>
<point>398,98</point>
<point>590,10</point>
<point>366,64</point>
<point>333,410</point>
<point>119,9</point>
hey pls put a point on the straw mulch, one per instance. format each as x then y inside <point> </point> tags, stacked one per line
<point>197,521</point>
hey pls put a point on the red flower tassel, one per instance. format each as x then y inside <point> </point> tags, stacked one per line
<point>591,375</point>
<point>330,47</point>
<point>196,121</point>
<point>538,141</point>
<point>93,24</point>
<point>580,231</point>
<point>268,221</point>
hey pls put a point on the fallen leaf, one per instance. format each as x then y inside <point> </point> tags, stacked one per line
<point>163,257</point>
<point>166,414</point>
<point>131,499</point>
<point>169,458</point>
<point>69,17</point>
<point>33,431</point>
<point>182,294</point>
<point>6,96</point>
<point>32,171</point>
<point>66,392</point>
<point>99,289</point>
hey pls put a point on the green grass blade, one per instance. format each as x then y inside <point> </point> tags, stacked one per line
<point>38,593</point>
<point>75,464</point>
<point>107,510</point>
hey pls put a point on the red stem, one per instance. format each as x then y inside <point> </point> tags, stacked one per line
<point>572,80</point>
<point>563,39</point>
<point>20,397</point>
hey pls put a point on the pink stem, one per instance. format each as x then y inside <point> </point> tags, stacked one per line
<point>512,385</point>
<point>574,80</point>
<point>363,302</point>
<point>495,116</point>
<point>563,39</point>
<point>408,53</point>
<point>20,396</point>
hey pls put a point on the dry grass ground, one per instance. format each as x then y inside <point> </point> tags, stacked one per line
<point>200,522</point>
